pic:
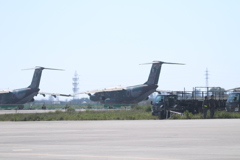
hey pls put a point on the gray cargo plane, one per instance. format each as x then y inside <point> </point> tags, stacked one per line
<point>25,95</point>
<point>132,94</point>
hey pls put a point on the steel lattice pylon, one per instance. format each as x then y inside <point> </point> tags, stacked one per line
<point>75,85</point>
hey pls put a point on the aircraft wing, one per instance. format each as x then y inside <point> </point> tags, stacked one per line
<point>54,94</point>
<point>5,91</point>
<point>112,89</point>
<point>175,92</point>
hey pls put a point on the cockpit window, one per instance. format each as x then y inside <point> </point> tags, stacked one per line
<point>158,99</point>
<point>234,97</point>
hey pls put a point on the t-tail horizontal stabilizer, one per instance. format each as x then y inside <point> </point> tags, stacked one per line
<point>161,62</point>
<point>155,71</point>
<point>37,76</point>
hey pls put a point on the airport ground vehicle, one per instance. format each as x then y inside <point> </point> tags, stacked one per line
<point>177,102</point>
<point>233,102</point>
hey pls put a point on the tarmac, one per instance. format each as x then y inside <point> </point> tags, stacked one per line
<point>27,111</point>
<point>212,139</point>
<point>45,111</point>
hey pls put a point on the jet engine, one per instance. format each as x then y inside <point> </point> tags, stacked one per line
<point>108,101</point>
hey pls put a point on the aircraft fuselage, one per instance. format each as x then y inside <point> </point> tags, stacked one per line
<point>18,96</point>
<point>130,95</point>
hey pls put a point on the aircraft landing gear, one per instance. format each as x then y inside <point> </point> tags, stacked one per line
<point>20,106</point>
<point>133,106</point>
<point>44,107</point>
<point>108,106</point>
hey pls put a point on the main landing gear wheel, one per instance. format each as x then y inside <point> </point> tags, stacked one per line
<point>20,106</point>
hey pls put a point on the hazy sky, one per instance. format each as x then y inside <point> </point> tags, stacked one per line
<point>105,41</point>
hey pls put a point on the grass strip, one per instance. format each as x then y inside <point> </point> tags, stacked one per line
<point>217,115</point>
<point>134,114</point>
<point>138,113</point>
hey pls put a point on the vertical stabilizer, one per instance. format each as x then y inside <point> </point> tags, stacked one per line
<point>155,71</point>
<point>37,76</point>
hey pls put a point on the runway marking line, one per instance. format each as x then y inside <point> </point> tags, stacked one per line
<point>21,150</point>
<point>87,156</point>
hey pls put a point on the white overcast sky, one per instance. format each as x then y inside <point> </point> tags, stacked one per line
<point>105,41</point>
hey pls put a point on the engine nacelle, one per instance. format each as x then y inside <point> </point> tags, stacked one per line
<point>108,101</point>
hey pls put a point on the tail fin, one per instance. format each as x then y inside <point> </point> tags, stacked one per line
<point>37,76</point>
<point>155,71</point>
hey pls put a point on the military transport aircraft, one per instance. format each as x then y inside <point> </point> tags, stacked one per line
<point>129,95</point>
<point>25,95</point>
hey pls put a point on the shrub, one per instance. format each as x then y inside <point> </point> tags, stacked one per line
<point>70,110</point>
<point>143,108</point>
<point>148,109</point>
<point>137,107</point>
<point>176,116</point>
<point>188,115</point>
<point>58,112</point>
